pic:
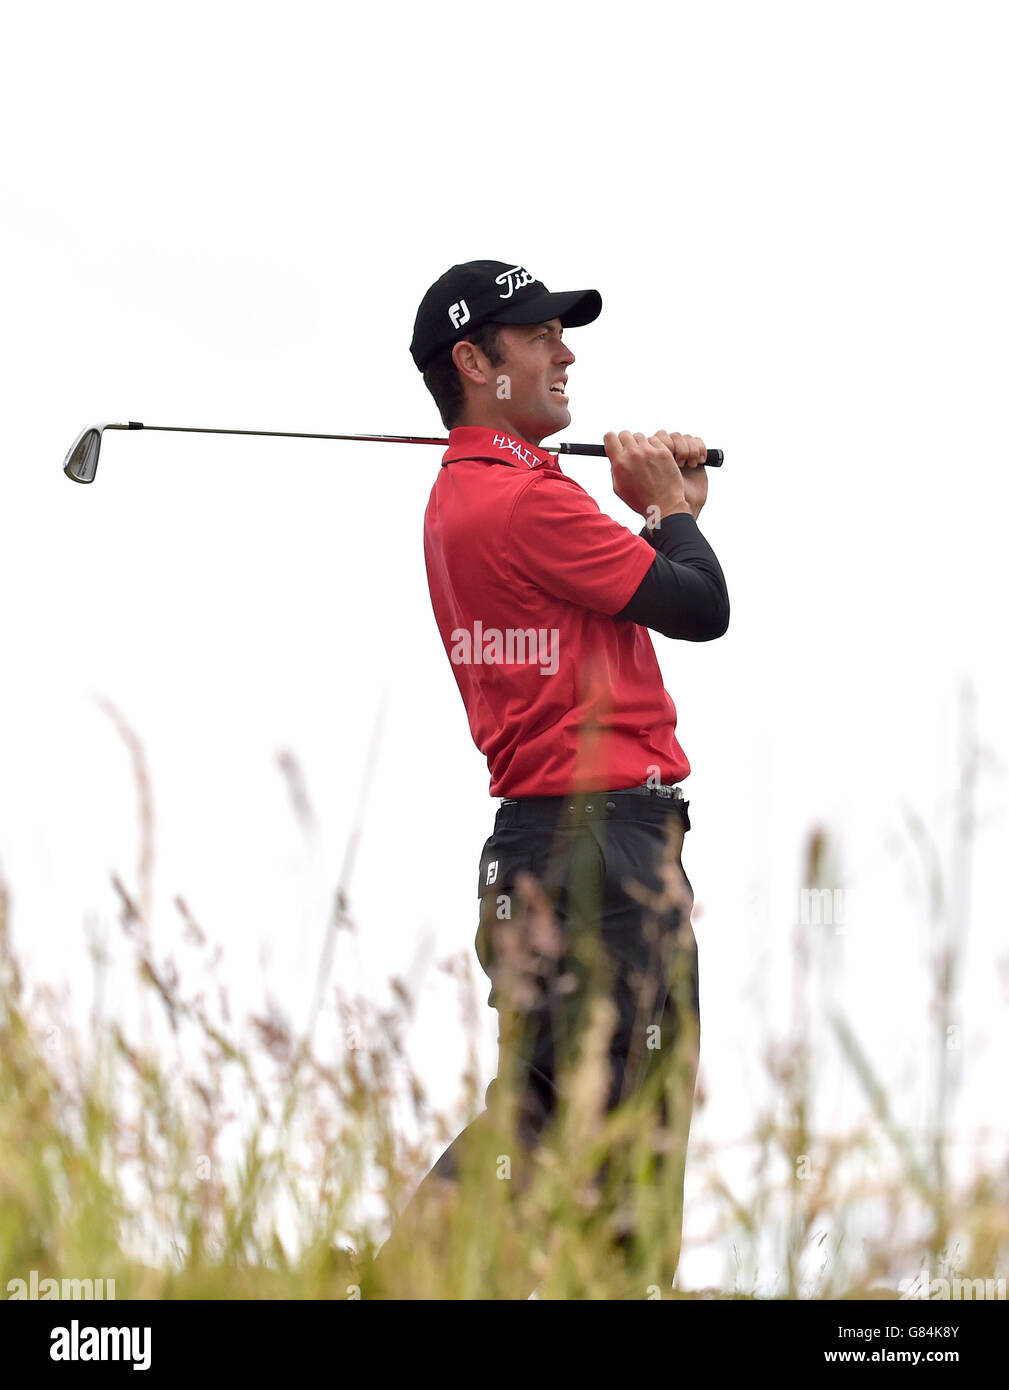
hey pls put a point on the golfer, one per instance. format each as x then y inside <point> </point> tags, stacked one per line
<point>544,605</point>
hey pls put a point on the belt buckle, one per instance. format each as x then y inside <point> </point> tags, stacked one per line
<point>667,793</point>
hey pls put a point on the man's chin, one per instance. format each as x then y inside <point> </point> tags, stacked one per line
<point>560,418</point>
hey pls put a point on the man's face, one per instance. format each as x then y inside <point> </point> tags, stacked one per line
<point>535,376</point>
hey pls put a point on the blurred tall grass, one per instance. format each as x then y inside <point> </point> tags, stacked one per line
<point>185,1155</point>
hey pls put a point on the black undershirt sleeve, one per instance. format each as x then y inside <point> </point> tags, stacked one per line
<point>683,594</point>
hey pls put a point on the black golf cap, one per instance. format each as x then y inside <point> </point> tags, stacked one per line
<point>479,292</point>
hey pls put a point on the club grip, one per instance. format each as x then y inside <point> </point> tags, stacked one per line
<point>715,458</point>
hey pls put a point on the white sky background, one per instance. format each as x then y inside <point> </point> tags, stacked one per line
<point>226,215</point>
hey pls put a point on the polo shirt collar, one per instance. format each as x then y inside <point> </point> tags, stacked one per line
<point>476,442</point>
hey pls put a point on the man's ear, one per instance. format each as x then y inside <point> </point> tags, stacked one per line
<point>468,360</point>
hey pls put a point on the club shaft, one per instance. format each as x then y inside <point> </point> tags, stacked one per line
<point>280,434</point>
<point>714,457</point>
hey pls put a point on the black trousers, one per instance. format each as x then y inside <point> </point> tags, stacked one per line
<point>582,894</point>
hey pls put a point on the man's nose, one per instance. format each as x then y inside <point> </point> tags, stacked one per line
<point>566,355</point>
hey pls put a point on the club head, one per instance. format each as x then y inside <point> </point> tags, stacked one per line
<point>81,462</point>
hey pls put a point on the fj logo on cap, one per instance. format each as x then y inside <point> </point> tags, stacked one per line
<point>459,313</point>
<point>492,871</point>
<point>516,278</point>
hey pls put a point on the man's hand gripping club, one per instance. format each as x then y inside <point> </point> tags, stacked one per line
<point>659,474</point>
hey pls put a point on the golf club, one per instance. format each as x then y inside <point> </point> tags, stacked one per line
<point>81,462</point>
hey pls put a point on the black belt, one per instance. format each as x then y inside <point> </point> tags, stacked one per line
<point>629,803</point>
<point>660,793</point>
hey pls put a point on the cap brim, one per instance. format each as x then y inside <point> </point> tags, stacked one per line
<point>573,307</point>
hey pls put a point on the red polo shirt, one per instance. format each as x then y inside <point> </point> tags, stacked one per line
<point>525,573</point>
